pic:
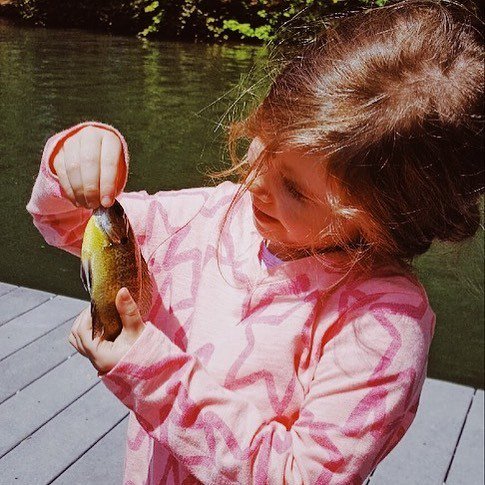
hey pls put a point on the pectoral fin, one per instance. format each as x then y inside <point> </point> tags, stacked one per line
<point>86,275</point>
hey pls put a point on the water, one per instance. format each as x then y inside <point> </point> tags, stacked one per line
<point>162,97</point>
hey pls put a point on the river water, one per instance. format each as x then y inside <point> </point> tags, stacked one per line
<point>171,101</point>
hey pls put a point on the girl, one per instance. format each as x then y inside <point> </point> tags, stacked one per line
<point>288,337</point>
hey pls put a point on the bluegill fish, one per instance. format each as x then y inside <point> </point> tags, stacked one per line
<point>111,259</point>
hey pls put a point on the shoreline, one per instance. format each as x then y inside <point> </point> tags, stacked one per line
<point>10,16</point>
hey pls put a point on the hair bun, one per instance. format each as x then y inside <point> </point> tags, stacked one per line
<point>462,224</point>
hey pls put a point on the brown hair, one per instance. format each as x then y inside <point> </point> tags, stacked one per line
<point>391,101</point>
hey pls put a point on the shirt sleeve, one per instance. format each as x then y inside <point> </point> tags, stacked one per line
<point>363,397</point>
<point>153,217</point>
<point>60,222</point>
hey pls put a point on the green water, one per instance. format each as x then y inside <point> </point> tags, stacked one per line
<point>161,96</point>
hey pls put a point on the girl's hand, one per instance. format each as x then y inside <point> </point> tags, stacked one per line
<point>103,354</point>
<point>90,167</point>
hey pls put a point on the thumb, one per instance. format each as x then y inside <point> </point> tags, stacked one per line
<point>128,310</point>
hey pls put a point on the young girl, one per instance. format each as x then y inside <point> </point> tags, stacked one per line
<point>288,337</point>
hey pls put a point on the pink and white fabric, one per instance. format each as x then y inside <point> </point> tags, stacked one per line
<point>267,258</point>
<point>246,373</point>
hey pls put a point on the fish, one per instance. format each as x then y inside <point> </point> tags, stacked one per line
<point>111,259</point>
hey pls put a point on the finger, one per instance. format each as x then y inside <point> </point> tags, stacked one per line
<point>72,163</point>
<point>90,150</point>
<point>83,316</point>
<point>128,310</point>
<point>85,335</point>
<point>85,313</point>
<point>120,176</point>
<point>72,340</point>
<point>76,343</point>
<point>95,349</point>
<point>62,176</point>
<point>111,160</point>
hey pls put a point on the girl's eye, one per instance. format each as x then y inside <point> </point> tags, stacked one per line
<point>292,190</point>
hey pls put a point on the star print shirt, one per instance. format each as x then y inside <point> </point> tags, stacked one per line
<point>250,373</point>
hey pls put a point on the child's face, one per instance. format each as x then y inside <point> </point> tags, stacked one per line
<point>288,203</point>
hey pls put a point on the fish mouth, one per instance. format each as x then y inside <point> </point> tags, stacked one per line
<point>113,222</point>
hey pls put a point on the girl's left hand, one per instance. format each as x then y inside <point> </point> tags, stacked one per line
<point>103,354</point>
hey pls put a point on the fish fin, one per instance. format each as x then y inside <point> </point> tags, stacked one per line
<point>146,288</point>
<point>98,329</point>
<point>86,275</point>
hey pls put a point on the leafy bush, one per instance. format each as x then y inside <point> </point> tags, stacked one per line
<point>207,20</point>
<point>255,20</point>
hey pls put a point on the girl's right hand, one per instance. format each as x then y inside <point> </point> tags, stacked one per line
<point>90,167</point>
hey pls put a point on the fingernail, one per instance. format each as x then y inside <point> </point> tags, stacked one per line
<point>106,201</point>
<point>125,294</point>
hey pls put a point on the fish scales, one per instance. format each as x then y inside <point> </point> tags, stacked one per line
<point>111,259</point>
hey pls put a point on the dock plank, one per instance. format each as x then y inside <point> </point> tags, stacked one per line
<point>98,466</point>
<point>64,426</point>
<point>39,402</point>
<point>468,463</point>
<point>20,331</point>
<point>424,454</point>
<point>6,288</point>
<point>33,361</point>
<point>19,301</point>
<point>60,442</point>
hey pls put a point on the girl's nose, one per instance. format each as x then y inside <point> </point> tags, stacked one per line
<point>259,187</point>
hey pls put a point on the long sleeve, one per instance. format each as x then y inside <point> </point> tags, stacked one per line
<point>362,398</point>
<point>153,217</point>
<point>60,222</point>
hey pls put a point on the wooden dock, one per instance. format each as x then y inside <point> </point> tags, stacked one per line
<point>56,429</point>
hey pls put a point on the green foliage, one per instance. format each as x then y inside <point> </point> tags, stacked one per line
<point>257,20</point>
<point>245,30</point>
<point>155,20</point>
<point>207,20</point>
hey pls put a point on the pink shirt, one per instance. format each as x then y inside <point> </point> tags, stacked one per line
<point>256,375</point>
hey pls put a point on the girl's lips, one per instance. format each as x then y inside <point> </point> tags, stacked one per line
<point>262,216</point>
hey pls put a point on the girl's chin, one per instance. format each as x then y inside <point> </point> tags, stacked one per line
<point>273,241</point>
<point>265,230</point>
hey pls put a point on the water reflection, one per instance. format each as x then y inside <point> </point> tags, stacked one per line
<point>160,95</point>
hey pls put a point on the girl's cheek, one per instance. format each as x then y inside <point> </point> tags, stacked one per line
<point>307,215</point>
<point>317,221</point>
